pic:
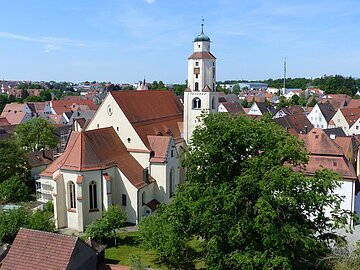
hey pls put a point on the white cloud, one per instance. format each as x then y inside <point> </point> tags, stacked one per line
<point>150,1</point>
<point>49,43</point>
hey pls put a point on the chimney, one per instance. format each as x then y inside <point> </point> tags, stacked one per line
<point>146,175</point>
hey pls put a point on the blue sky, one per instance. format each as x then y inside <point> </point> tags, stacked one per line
<point>125,40</point>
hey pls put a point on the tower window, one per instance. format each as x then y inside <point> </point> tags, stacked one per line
<point>196,103</point>
<point>199,45</point>
<point>72,198</point>
<point>196,86</point>
<point>213,103</point>
<point>196,76</point>
<point>196,63</point>
<point>92,196</point>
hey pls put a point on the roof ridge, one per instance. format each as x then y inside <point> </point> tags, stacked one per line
<point>50,233</point>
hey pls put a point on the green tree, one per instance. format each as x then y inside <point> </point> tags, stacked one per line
<point>11,222</point>
<point>179,89</point>
<point>13,161</point>
<point>14,189</point>
<point>312,103</point>
<point>295,100</point>
<point>24,93</point>
<point>244,204</point>
<point>11,98</point>
<point>154,85</point>
<point>33,99</point>
<point>3,101</point>
<point>36,134</point>
<point>40,220</point>
<point>283,102</point>
<point>46,95</point>
<point>161,85</point>
<point>105,227</point>
<point>236,89</point>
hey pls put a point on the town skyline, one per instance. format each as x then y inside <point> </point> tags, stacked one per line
<point>123,41</point>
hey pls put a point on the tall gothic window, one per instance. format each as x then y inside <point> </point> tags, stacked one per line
<point>196,103</point>
<point>172,182</point>
<point>72,196</point>
<point>92,196</point>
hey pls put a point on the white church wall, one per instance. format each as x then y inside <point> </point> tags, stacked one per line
<point>124,187</point>
<point>141,157</point>
<point>109,114</point>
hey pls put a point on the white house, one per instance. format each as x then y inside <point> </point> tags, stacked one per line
<point>348,119</point>
<point>321,115</point>
<point>326,153</point>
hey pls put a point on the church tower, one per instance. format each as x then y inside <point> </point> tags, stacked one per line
<point>200,94</point>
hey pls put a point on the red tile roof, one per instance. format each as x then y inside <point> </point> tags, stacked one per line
<point>325,153</point>
<point>345,143</point>
<point>61,106</point>
<point>39,250</point>
<point>354,103</point>
<point>338,164</point>
<point>351,115</point>
<point>15,118</point>
<point>202,55</point>
<point>160,146</point>
<point>155,112</point>
<point>97,149</point>
<point>4,121</point>
<point>318,143</point>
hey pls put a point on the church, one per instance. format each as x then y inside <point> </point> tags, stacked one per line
<point>130,152</point>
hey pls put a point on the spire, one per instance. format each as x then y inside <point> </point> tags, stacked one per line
<point>202,36</point>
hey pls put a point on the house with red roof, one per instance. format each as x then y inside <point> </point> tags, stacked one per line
<point>40,250</point>
<point>348,119</point>
<point>329,153</point>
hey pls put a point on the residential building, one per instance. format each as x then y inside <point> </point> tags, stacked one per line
<point>295,123</point>
<point>348,119</point>
<point>289,110</point>
<point>40,250</point>
<point>326,153</point>
<point>233,107</point>
<point>260,108</point>
<point>321,115</point>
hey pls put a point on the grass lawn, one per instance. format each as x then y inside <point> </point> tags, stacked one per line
<point>128,244</point>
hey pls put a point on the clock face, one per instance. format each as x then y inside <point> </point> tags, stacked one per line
<point>109,110</point>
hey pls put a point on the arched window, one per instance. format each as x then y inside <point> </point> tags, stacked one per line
<point>72,196</point>
<point>172,182</point>
<point>196,86</point>
<point>92,195</point>
<point>196,103</point>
